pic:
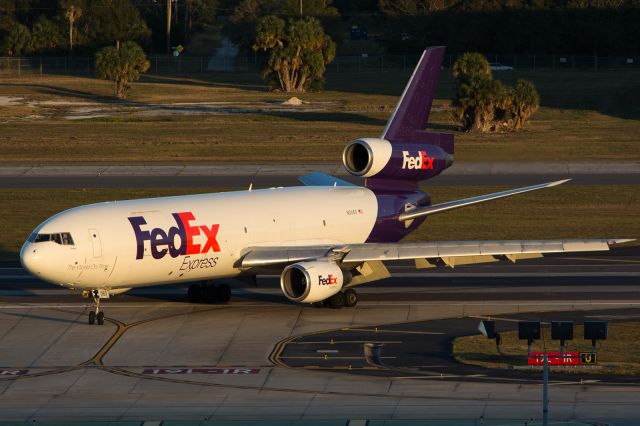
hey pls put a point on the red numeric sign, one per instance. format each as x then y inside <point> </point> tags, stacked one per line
<point>555,358</point>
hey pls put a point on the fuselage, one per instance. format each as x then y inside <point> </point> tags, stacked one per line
<point>135,243</point>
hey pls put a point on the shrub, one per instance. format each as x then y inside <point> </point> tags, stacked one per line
<point>121,65</point>
<point>484,104</point>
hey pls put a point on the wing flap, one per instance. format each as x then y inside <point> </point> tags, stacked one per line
<point>455,249</point>
<point>426,254</point>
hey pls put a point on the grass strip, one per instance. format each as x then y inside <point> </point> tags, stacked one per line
<point>618,355</point>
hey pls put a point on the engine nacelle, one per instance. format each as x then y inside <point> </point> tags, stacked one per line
<point>311,282</point>
<point>370,157</point>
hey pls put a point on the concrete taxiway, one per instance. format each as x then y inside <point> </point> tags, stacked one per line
<point>159,358</point>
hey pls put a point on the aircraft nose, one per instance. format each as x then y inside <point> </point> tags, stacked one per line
<point>30,258</point>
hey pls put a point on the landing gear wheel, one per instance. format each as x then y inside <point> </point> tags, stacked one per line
<point>350,298</point>
<point>92,317</point>
<point>210,294</point>
<point>195,293</point>
<point>224,293</point>
<point>318,304</point>
<point>336,301</point>
<point>100,318</point>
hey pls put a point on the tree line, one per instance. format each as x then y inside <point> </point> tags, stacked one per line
<point>81,27</point>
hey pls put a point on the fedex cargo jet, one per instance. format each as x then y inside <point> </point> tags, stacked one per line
<point>324,238</point>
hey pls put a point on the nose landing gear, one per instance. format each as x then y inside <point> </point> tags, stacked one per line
<point>96,315</point>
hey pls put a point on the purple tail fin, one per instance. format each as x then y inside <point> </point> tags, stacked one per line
<point>410,118</point>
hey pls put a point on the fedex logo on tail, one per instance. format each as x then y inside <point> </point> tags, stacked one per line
<point>178,240</point>
<point>421,161</point>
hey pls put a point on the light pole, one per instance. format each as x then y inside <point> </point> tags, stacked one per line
<point>545,390</point>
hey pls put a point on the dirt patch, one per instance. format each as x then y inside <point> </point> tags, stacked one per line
<point>83,110</point>
<point>7,101</point>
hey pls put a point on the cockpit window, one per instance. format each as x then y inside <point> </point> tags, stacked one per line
<point>42,237</point>
<point>63,238</point>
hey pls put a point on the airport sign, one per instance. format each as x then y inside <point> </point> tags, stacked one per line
<point>565,358</point>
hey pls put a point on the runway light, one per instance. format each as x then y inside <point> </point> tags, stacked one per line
<point>529,331</point>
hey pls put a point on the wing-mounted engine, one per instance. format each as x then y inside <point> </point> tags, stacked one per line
<point>379,158</point>
<point>310,282</point>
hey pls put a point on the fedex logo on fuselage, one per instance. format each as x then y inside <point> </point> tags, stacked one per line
<point>329,280</point>
<point>421,161</point>
<point>164,242</point>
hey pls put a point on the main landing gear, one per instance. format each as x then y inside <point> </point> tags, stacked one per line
<point>209,293</point>
<point>347,298</point>
<point>96,315</point>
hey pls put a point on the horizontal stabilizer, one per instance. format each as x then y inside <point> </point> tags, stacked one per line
<point>323,179</point>
<point>443,207</point>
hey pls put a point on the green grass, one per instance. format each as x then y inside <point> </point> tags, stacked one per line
<point>585,116</point>
<point>562,212</point>
<point>619,354</point>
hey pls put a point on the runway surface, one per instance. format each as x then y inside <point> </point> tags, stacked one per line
<point>268,175</point>
<point>159,357</point>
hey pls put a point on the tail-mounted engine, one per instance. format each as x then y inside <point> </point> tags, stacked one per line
<point>311,282</point>
<point>379,158</point>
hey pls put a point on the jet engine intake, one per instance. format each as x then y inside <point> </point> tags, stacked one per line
<point>367,156</point>
<point>310,282</point>
<point>370,157</point>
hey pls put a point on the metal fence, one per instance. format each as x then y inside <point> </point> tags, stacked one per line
<point>169,65</point>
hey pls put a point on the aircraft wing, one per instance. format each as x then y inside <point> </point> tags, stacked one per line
<point>427,254</point>
<point>450,205</point>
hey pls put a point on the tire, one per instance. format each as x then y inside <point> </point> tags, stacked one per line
<point>350,298</point>
<point>336,301</point>
<point>194,294</point>
<point>100,318</point>
<point>318,304</point>
<point>224,293</point>
<point>92,317</point>
<point>210,294</point>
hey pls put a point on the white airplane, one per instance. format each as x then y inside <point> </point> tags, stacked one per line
<point>323,238</point>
